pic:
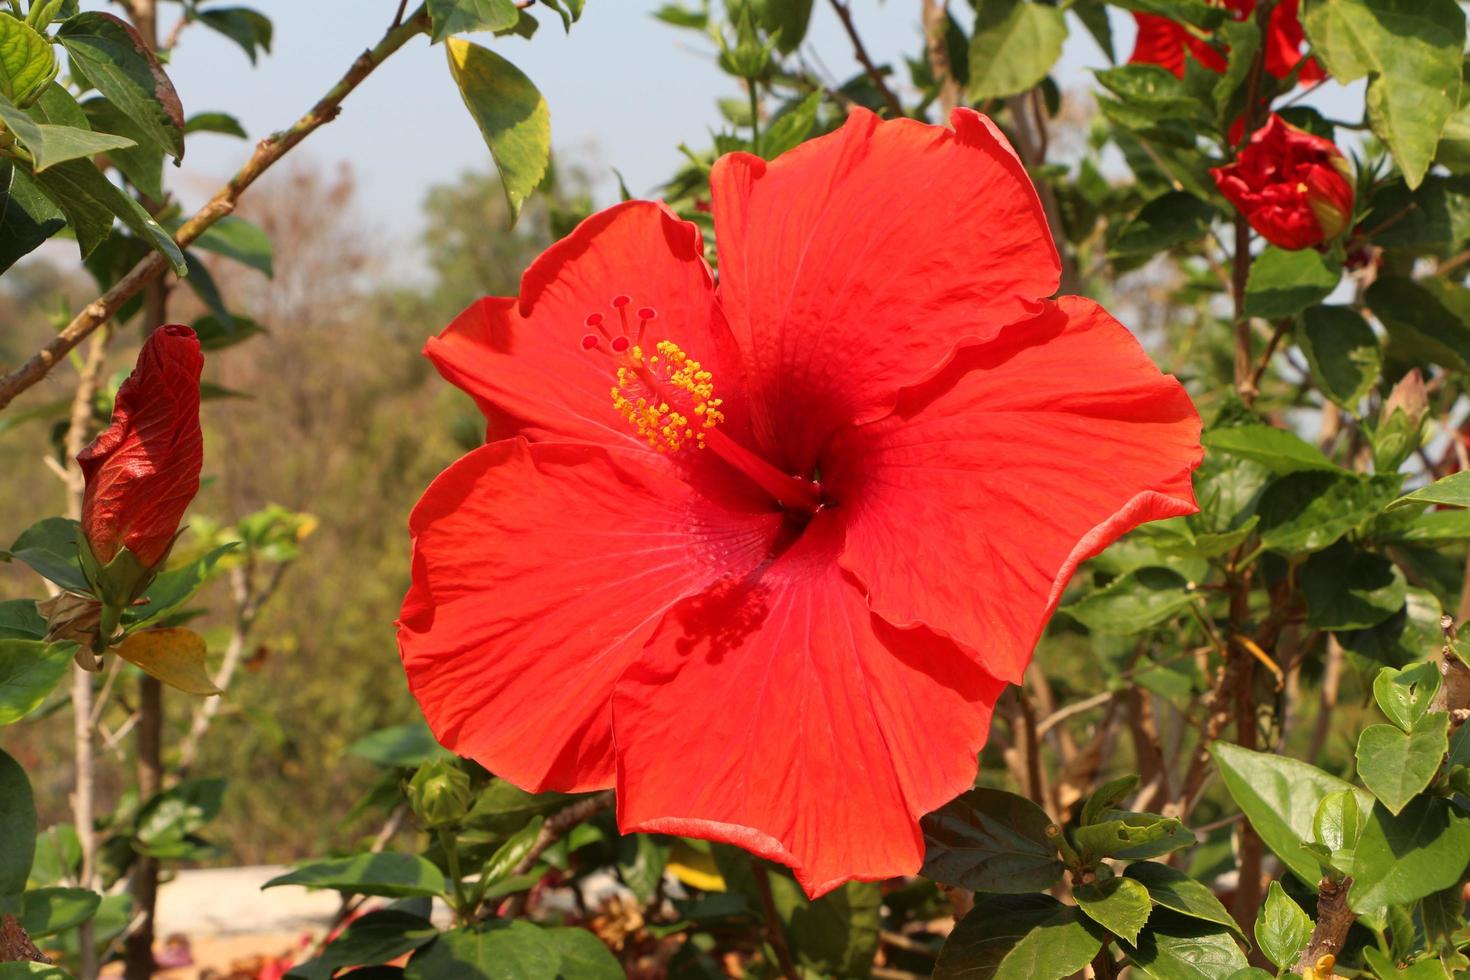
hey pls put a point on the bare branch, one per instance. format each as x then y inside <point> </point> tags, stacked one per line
<point>267,152</point>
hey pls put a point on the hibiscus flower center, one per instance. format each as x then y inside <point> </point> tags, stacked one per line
<point>669,399</point>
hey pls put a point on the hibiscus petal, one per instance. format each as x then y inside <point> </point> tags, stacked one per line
<point>776,713</point>
<point>523,360</point>
<point>857,263</point>
<point>970,507</point>
<point>538,572</point>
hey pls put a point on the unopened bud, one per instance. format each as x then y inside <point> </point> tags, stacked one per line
<point>440,794</point>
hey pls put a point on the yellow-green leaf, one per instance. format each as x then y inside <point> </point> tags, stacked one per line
<point>174,656</point>
<point>511,113</point>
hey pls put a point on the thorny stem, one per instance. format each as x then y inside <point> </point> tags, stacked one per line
<point>267,152</point>
<point>774,932</point>
<point>895,108</point>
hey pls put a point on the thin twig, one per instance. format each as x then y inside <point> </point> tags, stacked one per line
<point>895,108</point>
<point>84,782</point>
<point>1075,708</point>
<point>774,932</point>
<point>554,829</point>
<point>936,27</point>
<point>267,152</point>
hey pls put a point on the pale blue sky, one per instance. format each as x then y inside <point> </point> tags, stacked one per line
<point>623,87</point>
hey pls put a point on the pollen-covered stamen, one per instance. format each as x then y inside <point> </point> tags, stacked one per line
<point>669,399</point>
<point>667,396</point>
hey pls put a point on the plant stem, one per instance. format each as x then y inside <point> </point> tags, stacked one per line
<point>85,777</point>
<point>267,152</point>
<point>462,910</point>
<point>755,116</point>
<point>1245,385</point>
<point>556,827</point>
<point>860,51</point>
<point>774,933</point>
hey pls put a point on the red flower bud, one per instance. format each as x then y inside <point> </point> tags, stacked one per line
<point>144,470</point>
<point>1295,188</point>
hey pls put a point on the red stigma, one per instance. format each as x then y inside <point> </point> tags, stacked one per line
<point>594,320</point>
<point>620,344</point>
<point>647,313</point>
<point>589,342</point>
<point>619,302</point>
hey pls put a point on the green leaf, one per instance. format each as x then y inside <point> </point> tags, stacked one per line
<point>570,11</point>
<point>788,130</point>
<point>175,587</point>
<point>1014,45</point>
<point>1280,796</point>
<point>215,122</point>
<point>1279,450</point>
<point>514,950</point>
<point>399,747</point>
<point>50,145</point>
<point>1308,511</point>
<point>387,874</point>
<point>1106,798</point>
<point>27,63</point>
<point>641,861</point>
<point>1406,695</point>
<point>1348,588</point>
<point>509,854</point>
<point>583,956</point>
<point>1410,50</point>
<point>1396,765</point>
<point>49,547</point>
<point>1186,950</point>
<point>1337,825</point>
<point>1426,320</point>
<point>58,856</point>
<point>27,217</point>
<point>466,16</point>
<point>248,28</point>
<point>1452,491</point>
<point>1400,859</point>
<point>511,114</point>
<point>1282,283</point>
<point>177,812</point>
<point>1433,219</point>
<point>1172,219</point>
<point>1132,603</point>
<point>1200,13</point>
<point>20,620</point>
<point>217,334</point>
<point>29,671</point>
<point>1282,928</point>
<point>1178,892</point>
<point>377,937</point>
<point>47,911</point>
<point>238,239</point>
<point>990,840</point>
<point>1343,353</point>
<point>1132,837</point>
<point>1119,905</point>
<point>835,935</point>
<point>787,20</point>
<point>117,61</point>
<point>1018,937</point>
<point>17,830</point>
<point>1153,93</point>
<point>142,164</point>
<point>32,971</point>
<point>90,201</point>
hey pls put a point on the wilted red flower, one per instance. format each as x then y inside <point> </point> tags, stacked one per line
<point>144,470</point>
<point>1166,43</point>
<point>1295,188</point>
<point>765,555</point>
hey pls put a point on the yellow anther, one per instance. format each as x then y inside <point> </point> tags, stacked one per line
<point>659,399</point>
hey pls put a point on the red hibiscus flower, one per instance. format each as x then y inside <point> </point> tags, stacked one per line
<point>144,470</point>
<point>1295,188</point>
<point>764,555</point>
<point>1166,43</point>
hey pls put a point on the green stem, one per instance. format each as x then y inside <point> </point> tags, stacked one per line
<point>462,907</point>
<point>755,117</point>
